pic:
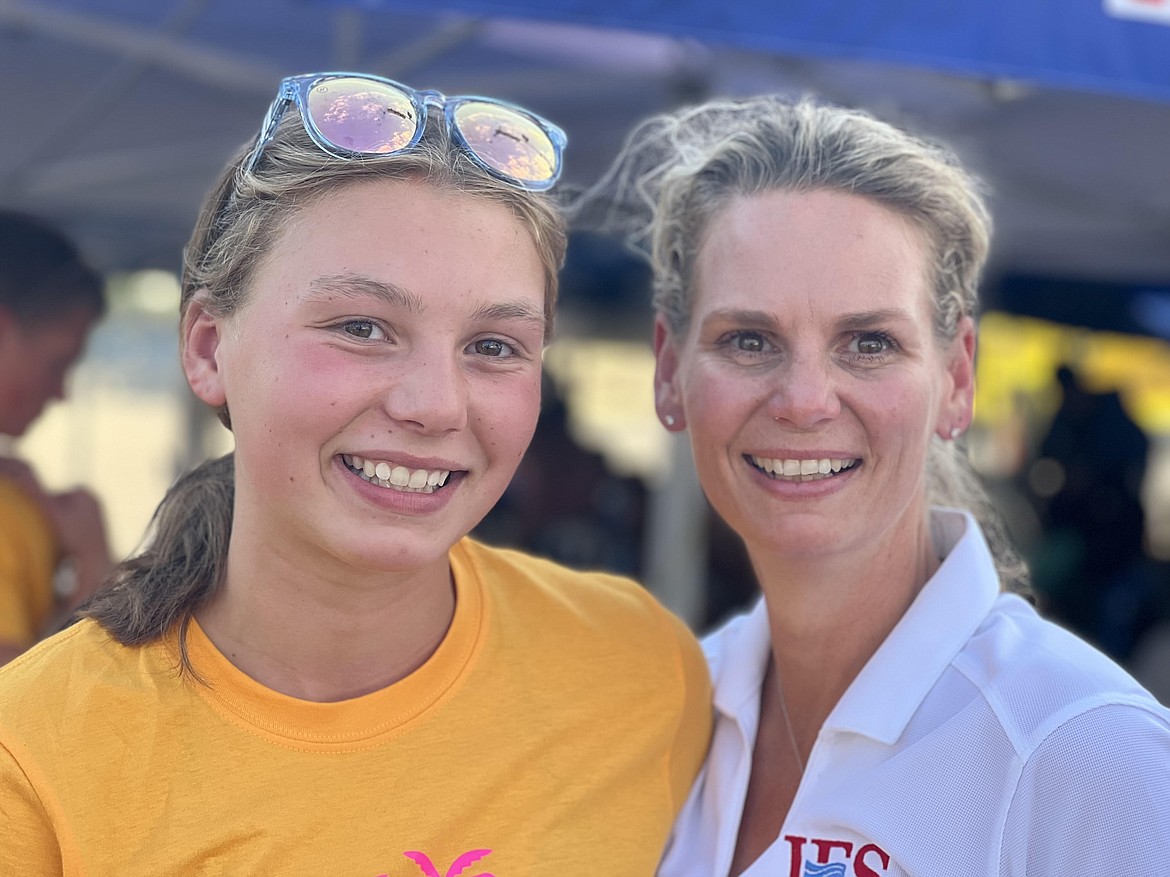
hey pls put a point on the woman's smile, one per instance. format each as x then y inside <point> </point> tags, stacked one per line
<point>802,469</point>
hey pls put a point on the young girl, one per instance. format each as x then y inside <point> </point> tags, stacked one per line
<point>311,669</point>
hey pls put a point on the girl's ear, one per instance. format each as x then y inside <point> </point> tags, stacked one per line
<point>958,404</point>
<point>200,337</point>
<point>667,398</point>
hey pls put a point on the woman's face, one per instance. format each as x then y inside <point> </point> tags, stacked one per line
<point>383,377</point>
<point>809,377</point>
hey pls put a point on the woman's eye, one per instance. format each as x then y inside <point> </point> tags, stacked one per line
<point>747,342</point>
<point>873,344</point>
<point>492,347</point>
<point>364,329</point>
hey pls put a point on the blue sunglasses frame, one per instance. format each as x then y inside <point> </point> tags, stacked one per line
<point>294,90</point>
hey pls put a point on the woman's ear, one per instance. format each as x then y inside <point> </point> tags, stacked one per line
<point>200,337</point>
<point>958,405</point>
<point>667,398</point>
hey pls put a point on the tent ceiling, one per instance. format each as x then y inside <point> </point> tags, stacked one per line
<point>119,113</point>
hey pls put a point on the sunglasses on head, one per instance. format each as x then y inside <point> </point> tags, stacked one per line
<point>356,115</point>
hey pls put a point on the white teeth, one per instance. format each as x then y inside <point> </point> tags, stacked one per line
<point>396,477</point>
<point>805,469</point>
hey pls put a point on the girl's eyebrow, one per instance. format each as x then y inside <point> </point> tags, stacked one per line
<point>521,311</point>
<point>330,286</point>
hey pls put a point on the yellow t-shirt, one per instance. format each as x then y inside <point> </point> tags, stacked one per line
<point>555,731</point>
<point>28,557</point>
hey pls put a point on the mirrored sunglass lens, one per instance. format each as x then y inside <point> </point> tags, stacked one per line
<point>362,116</point>
<point>507,141</point>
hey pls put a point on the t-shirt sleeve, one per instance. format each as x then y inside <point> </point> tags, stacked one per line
<point>1094,798</point>
<point>695,718</point>
<point>26,568</point>
<point>27,841</point>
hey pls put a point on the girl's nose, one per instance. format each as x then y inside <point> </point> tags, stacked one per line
<point>429,392</point>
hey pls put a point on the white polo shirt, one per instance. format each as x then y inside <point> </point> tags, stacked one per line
<point>979,739</point>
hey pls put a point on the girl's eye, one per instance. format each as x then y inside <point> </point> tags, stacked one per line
<point>364,329</point>
<point>492,347</point>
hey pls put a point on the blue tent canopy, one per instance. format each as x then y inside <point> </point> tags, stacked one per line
<point>1109,46</point>
<point>120,113</point>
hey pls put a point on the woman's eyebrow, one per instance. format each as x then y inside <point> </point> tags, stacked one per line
<point>868,319</point>
<point>742,316</point>
<point>329,286</point>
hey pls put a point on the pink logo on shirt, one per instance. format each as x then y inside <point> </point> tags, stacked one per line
<point>461,864</point>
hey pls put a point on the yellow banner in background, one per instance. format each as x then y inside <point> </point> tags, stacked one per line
<point>1018,358</point>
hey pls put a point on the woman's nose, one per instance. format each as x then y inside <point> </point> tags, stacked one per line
<point>806,394</point>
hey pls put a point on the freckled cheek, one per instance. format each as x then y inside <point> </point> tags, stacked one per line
<point>304,388</point>
<point>505,418</point>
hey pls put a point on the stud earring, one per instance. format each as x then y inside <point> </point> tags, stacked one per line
<point>955,432</point>
<point>668,419</point>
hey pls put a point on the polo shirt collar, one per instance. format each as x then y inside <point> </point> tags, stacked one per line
<point>739,661</point>
<point>947,611</point>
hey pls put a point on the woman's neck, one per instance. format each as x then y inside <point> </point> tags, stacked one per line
<point>829,614</point>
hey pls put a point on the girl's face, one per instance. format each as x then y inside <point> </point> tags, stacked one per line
<point>383,377</point>
<point>810,377</point>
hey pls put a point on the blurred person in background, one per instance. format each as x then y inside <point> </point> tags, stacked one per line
<point>1090,568</point>
<point>53,547</point>
<point>893,705</point>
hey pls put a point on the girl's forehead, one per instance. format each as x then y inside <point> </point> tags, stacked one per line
<point>403,242</point>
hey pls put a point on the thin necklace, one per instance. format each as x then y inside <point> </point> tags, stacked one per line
<point>787,720</point>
